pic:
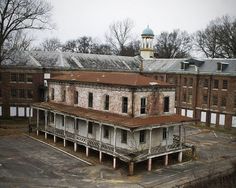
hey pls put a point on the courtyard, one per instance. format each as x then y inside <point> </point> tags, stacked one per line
<point>26,162</point>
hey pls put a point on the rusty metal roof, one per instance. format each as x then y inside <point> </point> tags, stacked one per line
<point>115,119</point>
<point>114,78</point>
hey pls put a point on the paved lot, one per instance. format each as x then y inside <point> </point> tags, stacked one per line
<point>28,163</point>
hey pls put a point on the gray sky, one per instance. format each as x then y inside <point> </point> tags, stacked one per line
<point>76,18</point>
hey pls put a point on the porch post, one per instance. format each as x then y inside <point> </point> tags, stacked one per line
<point>46,123</point>
<point>166,160</point>
<point>180,156</point>
<point>167,137</point>
<point>184,134</point>
<point>30,109</point>
<point>37,121</point>
<point>150,141</point>
<point>64,141</point>
<point>131,168</point>
<point>180,137</point>
<point>54,129</point>
<point>75,133</point>
<point>100,142</point>
<point>114,151</point>
<point>87,149</point>
<point>149,164</point>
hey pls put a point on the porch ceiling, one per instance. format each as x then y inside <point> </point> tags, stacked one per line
<point>116,119</point>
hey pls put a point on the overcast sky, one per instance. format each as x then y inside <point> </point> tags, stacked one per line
<point>76,18</point>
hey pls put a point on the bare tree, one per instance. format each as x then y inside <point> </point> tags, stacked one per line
<point>218,39</point>
<point>176,44</point>
<point>20,15</point>
<point>119,35</point>
<point>101,49</point>
<point>52,44</point>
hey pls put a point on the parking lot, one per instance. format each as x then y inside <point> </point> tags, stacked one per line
<point>25,162</point>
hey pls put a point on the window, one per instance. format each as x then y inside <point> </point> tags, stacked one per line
<point>124,104</point>
<point>52,93</point>
<point>29,94</point>
<point>205,99</point>
<point>223,101</point>
<point>124,136</point>
<point>0,76</point>
<point>215,84</point>
<point>164,133</point>
<point>90,127</point>
<point>106,102</point>
<point>90,100</point>
<point>215,100</point>
<point>76,96</point>
<point>205,83</point>
<point>51,118</point>
<point>21,93</point>
<point>21,77</point>
<point>191,82</point>
<point>13,77</point>
<point>0,92</point>
<point>105,131</point>
<point>29,78</point>
<point>63,97</point>
<point>13,93</point>
<point>143,105</point>
<point>225,84</point>
<point>142,136</point>
<point>166,104</point>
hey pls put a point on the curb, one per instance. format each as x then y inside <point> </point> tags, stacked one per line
<point>59,150</point>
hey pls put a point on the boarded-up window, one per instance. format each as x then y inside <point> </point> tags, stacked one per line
<point>12,111</point>
<point>90,100</point>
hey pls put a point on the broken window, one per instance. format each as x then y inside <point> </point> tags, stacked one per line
<point>164,133</point>
<point>13,77</point>
<point>143,105</point>
<point>29,94</point>
<point>166,104</point>
<point>21,77</point>
<point>90,127</point>
<point>124,136</point>
<point>142,136</point>
<point>90,100</point>
<point>124,104</point>
<point>215,100</point>
<point>76,97</point>
<point>105,131</point>
<point>215,84</point>
<point>106,102</point>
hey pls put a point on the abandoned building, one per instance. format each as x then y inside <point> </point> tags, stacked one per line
<point>205,88</point>
<point>125,115</point>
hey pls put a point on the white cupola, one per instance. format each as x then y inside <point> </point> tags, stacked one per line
<point>146,50</point>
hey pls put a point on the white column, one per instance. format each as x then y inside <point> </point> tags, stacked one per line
<point>75,133</point>
<point>100,142</point>
<point>114,162</point>
<point>46,123</point>
<point>30,109</point>
<point>64,141</point>
<point>166,160</point>
<point>114,141</point>
<point>54,138</point>
<point>87,149</point>
<point>149,164</point>
<point>75,146</point>
<point>37,122</point>
<point>180,156</point>
<point>150,141</point>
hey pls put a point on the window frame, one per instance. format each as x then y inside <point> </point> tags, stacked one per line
<point>21,77</point>
<point>142,136</point>
<point>90,127</point>
<point>143,105</point>
<point>166,108</point>
<point>164,133</point>
<point>124,136</point>
<point>107,102</point>
<point>125,105</point>
<point>215,84</point>
<point>76,97</point>
<point>14,75</point>
<point>90,100</point>
<point>225,84</point>
<point>106,132</point>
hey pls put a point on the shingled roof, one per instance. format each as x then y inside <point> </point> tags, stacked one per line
<point>116,119</point>
<point>113,78</point>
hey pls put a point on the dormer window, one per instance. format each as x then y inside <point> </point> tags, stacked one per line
<point>184,65</point>
<point>221,66</point>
